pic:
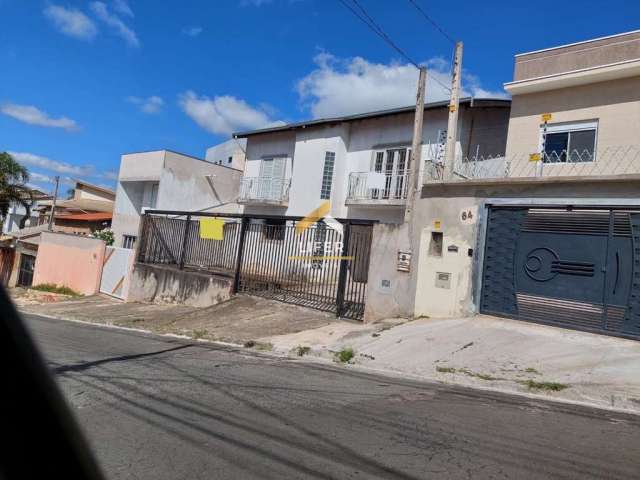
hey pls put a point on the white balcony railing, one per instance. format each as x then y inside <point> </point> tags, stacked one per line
<point>264,190</point>
<point>377,187</point>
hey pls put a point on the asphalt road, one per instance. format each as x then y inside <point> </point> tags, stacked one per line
<point>156,408</point>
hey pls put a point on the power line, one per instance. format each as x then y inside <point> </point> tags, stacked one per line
<point>369,22</point>
<point>365,18</point>
<point>432,21</point>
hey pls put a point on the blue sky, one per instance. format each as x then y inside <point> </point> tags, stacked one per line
<point>86,81</point>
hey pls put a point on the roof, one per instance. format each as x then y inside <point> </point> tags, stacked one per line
<point>470,101</point>
<point>85,217</point>
<point>95,187</point>
<point>82,204</point>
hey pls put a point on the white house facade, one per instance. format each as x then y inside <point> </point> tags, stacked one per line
<point>360,163</point>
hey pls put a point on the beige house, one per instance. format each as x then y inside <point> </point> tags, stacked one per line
<point>550,231</point>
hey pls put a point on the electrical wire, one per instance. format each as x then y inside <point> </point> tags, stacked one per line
<point>369,22</point>
<point>432,21</point>
<point>365,18</point>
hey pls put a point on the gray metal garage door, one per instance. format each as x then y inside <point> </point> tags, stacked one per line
<point>576,268</point>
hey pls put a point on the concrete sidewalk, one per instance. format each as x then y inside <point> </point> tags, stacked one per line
<point>488,352</point>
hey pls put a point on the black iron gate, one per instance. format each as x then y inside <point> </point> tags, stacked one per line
<point>315,265</point>
<point>572,267</point>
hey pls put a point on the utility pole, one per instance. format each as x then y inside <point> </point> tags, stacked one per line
<point>53,203</point>
<point>454,105</point>
<point>413,179</point>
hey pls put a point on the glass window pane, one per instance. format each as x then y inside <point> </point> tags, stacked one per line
<point>582,145</point>
<point>555,147</point>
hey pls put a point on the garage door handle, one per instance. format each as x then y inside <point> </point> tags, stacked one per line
<point>615,284</point>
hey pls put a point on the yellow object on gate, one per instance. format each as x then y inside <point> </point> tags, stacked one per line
<point>212,228</point>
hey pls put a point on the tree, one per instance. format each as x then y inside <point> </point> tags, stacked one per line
<point>13,189</point>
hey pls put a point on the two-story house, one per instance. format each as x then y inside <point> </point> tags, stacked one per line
<point>550,232</point>
<point>168,180</point>
<point>360,163</point>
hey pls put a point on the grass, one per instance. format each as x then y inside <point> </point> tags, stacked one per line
<point>265,347</point>
<point>467,372</point>
<point>445,369</point>
<point>547,386</point>
<point>301,350</point>
<point>345,355</point>
<point>532,370</point>
<point>52,288</point>
<point>197,334</point>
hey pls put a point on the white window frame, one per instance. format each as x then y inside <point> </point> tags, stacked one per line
<point>568,127</point>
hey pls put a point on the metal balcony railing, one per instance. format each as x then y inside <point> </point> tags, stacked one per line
<point>377,186</point>
<point>264,189</point>
<point>609,161</point>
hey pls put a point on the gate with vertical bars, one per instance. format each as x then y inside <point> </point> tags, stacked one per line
<point>576,267</point>
<point>317,266</point>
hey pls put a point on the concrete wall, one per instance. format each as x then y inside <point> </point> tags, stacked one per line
<point>231,149</point>
<point>158,284</point>
<point>69,260</point>
<point>182,185</point>
<point>390,293</point>
<point>578,56</point>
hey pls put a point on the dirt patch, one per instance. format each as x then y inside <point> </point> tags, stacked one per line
<point>239,320</point>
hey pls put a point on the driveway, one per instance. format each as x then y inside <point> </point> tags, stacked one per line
<point>164,408</point>
<point>243,318</point>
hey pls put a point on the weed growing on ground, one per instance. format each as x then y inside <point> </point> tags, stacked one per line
<point>264,347</point>
<point>532,370</point>
<point>301,350</point>
<point>53,288</point>
<point>445,369</point>
<point>249,344</point>
<point>345,355</point>
<point>197,334</point>
<point>548,386</point>
<point>467,372</point>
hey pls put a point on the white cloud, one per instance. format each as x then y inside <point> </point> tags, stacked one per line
<point>101,11</point>
<point>150,105</point>
<point>122,7</point>
<point>34,116</point>
<point>355,85</point>
<point>33,160</point>
<point>71,22</point>
<point>193,31</point>
<point>223,115</point>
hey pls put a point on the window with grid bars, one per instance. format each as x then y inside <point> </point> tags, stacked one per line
<point>327,175</point>
<point>128,241</point>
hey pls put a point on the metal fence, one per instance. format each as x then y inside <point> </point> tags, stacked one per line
<point>615,160</point>
<point>393,186</point>
<point>317,266</point>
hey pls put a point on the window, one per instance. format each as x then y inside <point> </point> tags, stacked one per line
<point>569,143</point>
<point>128,241</point>
<point>229,160</point>
<point>327,175</point>
<point>274,229</point>
<point>154,195</point>
<point>394,163</point>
